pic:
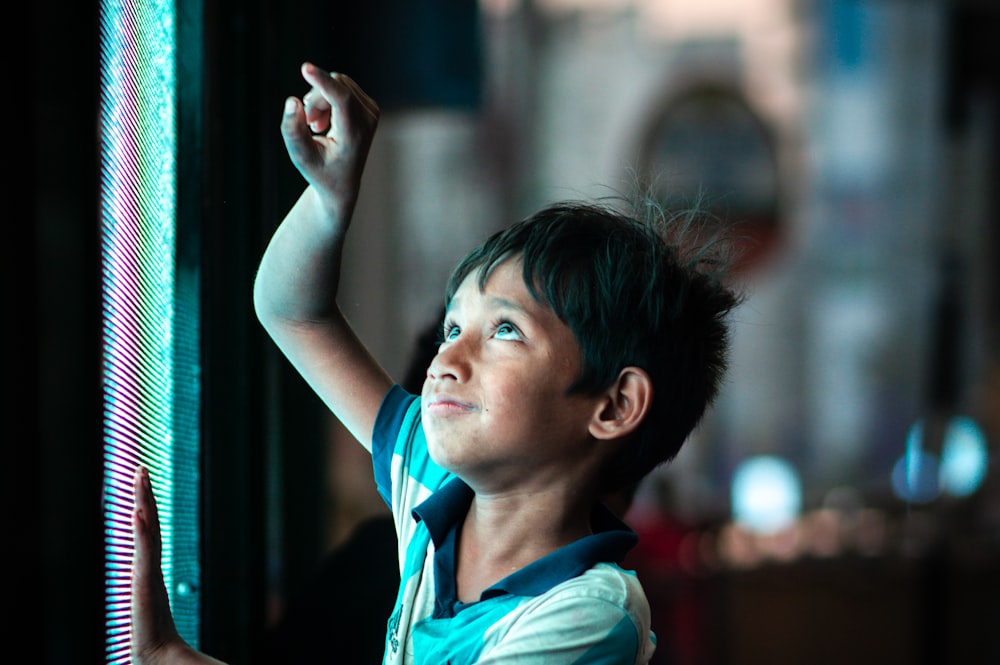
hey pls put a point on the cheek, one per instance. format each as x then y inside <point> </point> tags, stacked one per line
<point>523,403</point>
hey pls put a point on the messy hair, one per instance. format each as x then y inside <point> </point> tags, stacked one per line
<point>643,288</point>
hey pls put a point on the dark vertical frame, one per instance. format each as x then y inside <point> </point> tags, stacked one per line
<point>972,70</point>
<point>263,430</point>
<point>188,373</point>
<point>52,321</point>
<point>233,406</point>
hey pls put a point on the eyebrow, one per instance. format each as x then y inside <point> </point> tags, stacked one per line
<point>503,303</point>
<point>497,302</point>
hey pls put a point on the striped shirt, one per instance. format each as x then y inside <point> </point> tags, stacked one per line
<point>575,605</point>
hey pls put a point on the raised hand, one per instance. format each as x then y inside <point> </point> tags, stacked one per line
<point>155,640</point>
<point>328,134</point>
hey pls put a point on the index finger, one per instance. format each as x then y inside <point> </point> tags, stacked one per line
<point>335,89</point>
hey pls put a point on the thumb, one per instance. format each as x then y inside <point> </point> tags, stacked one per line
<point>297,136</point>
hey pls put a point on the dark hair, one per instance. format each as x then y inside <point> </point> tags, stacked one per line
<point>637,293</point>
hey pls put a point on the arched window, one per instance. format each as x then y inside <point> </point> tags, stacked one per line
<point>708,145</point>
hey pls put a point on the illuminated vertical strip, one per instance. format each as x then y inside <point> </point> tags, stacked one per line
<point>138,202</point>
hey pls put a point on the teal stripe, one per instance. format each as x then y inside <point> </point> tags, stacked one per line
<point>619,647</point>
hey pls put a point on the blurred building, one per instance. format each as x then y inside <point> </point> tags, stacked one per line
<point>854,143</point>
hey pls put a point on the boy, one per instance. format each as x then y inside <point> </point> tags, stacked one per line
<point>578,352</point>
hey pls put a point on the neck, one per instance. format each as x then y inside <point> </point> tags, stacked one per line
<point>501,535</point>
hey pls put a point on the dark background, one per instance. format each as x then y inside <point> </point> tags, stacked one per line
<point>237,63</point>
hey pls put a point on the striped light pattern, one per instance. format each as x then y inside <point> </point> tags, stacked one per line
<point>138,202</point>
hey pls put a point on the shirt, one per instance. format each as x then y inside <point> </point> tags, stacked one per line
<point>575,605</point>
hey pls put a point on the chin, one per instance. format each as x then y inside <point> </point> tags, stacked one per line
<point>449,459</point>
<point>437,452</point>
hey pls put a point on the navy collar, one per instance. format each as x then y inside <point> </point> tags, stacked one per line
<point>444,511</point>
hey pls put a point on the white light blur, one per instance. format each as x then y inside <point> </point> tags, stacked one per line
<point>964,457</point>
<point>766,494</point>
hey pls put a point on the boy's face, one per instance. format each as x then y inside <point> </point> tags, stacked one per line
<point>495,408</point>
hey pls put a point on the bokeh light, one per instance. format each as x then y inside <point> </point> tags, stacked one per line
<point>964,457</point>
<point>920,476</point>
<point>915,474</point>
<point>766,494</point>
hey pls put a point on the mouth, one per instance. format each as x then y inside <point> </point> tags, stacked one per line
<point>442,404</point>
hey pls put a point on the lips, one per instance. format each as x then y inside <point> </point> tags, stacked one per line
<point>443,404</point>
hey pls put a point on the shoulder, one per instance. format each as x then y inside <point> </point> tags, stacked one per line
<point>607,584</point>
<point>602,613</point>
<point>398,414</point>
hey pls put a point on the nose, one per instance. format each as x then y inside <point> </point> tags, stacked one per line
<point>452,360</point>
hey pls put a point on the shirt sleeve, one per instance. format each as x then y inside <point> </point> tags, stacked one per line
<point>581,623</point>
<point>405,474</point>
<point>385,436</point>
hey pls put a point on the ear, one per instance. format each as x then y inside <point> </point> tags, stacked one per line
<point>623,405</point>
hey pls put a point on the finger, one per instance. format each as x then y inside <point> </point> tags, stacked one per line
<point>333,87</point>
<point>330,96</point>
<point>146,505</point>
<point>367,102</point>
<point>317,110</point>
<point>295,132</point>
<point>319,104</point>
<point>146,528</point>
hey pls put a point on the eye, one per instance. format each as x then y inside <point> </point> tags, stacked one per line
<point>449,333</point>
<point>506,331</point>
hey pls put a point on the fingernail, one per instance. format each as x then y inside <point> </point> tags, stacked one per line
<point>289,106</point>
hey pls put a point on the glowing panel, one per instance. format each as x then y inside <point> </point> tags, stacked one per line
<point>147,418</point>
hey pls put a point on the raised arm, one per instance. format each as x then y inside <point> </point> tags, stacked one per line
<point>327,135</point>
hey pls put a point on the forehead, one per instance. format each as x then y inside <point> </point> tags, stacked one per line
<point>504,288</point>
